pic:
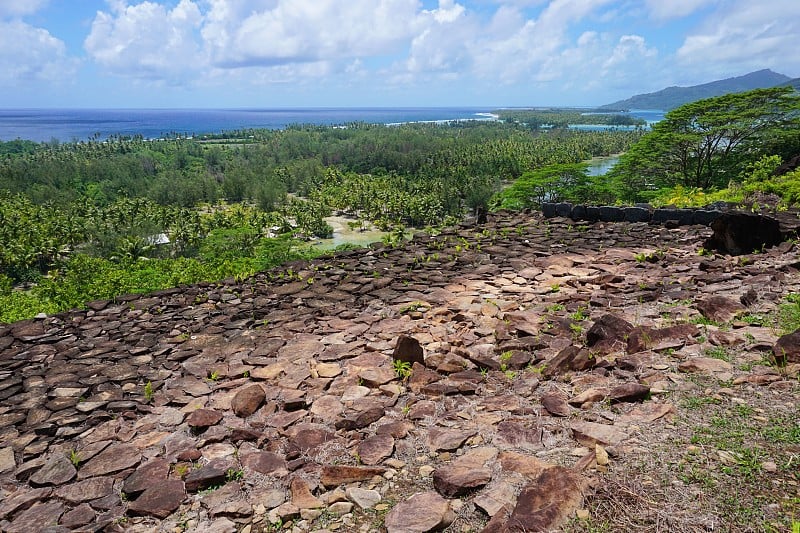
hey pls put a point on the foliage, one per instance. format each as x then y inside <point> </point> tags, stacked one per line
<point>553,183</point>
<point>702,144</point>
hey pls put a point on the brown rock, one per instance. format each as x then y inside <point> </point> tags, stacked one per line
<point>333,476</point>
<point>570,358</point>
<point>447,440</point>
<point>203,418</point>
<point>113,459</point>
<point>7,462</point>
<point>517,435</point>
<point>266,463</point>
<point>248,400</point>
<point>159,500</point>
<point>643,338</point>
<point>705,364</point>
<point>375,449</point>
<point>409,350</point>
<point>361,419</point>
<point>301,495</point>
<point>80,516</point>
<point>555,405</point>
<point>787,349</point>
<point>495,497</point>
<point>56,471</point>
<point>86,490</point>
<point>629,392</point>
<point>548,502</point>
<point>22,498</point>
<point>720,309</point>
<point>452,481</point>
<point>523,464</point>
<point>591,433</point>
<point>146,475</point>
<point>609,327</point>
<point>419,514</point>
<point>589,395</point>
<point>213,473</point>
<point>37,518</point>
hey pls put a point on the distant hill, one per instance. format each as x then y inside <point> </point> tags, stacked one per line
<point>672,97</point>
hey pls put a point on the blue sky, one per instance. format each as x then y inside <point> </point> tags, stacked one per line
<point>308,53</point>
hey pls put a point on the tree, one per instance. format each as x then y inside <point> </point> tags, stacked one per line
<point>706,143</point>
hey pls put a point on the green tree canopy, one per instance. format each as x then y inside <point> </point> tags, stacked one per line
<point>707,143</point>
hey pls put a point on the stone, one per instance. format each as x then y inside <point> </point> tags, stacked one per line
<point>591,433</point>
<point>548,502</point>
<point>720,309</point>
<point>80,516</point>
<point>409,350</point>
<point>375,449</point>
<point>361,419</point>
<point>56,471</point>
<point>340,508</point>
<point>420,513</point>
<point>248,400</point>
<point>302,498</point>
<point>555,405</point>
<point>787,349</point>
<point>518,435</point>
<point>115,458</point>
<point>704,364</point>
<point>86,490</point>
<point>592,395</point>
<point>495,497</point>
<point>236,509</point>
<point>738,233</point>
<point>7,461</point>
<point>364,498</point>
<point>629,392</point>
<point>569,359</point>
<point>22,499</point>
<point>608,327</point>
<point>203,418</point>
<point>213,473</point>
<point>453,481</point>
<point>335,475</point>
<point>152,472</point>
<point>36,518</point>
<point>375,377</point>
<point>160,500</point>
<point>447,439</point>
<point>267,463</point>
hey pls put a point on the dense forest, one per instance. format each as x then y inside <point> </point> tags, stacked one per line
<point>100,218</point>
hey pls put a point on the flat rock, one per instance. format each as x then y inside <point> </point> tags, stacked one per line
<point>720,309</point>
<point>203,418</point>
<point>113,459</point>
<point>248,400</point>
<point>375,449</point>
<point>159,500</point>
<point>555,405</point>
<point>419,514</point>
<point>86,490</point>
<point>7,462</point>
<point>57,470</point>
<point>591,433</point>
<point>448,439</point>
<point>80,516</point>
<point>22,499</point>
<point>364,498</point>
<point>213,473</point>
<point>548,502</point>
<point>629,392</point>
<point>452,481</point>
<point>265,463</point>
<point>705,364</point>
<point>37,518</point>
<point>334,475</point>
<point>148,474</point>
<point>495,497</point>
<point>375,377</point>
<point>302,498</point>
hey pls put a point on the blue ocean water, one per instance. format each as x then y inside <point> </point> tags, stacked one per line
<point>65,125</point>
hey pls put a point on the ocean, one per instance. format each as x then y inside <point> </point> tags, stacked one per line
<point>67,125</point>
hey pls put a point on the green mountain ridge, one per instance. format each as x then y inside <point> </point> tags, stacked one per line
<point>672,97</point>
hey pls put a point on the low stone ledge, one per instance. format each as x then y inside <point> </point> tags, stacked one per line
<point>634,213</point>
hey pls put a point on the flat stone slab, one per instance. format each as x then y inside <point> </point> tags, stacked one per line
<point>419,514</point>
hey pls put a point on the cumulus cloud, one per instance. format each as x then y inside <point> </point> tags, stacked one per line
<point>747,35</point>
<point>147,40</point>
<point>296,31</point>
<point>29,54</point>
<point>20,8</point>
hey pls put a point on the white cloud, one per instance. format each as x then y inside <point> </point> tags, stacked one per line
<point>296,31</point>
<point>20,8</point>
<point>746,36</point>
<point>147,40</point>
<point>29,54</point>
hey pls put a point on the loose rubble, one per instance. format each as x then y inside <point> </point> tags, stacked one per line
<point>483,377</point>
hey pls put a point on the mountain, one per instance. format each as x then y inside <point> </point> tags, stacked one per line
<point>673,97</point>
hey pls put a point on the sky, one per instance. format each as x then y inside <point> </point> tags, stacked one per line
<point>380,53</point>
